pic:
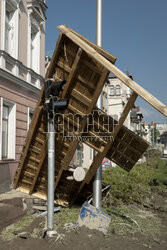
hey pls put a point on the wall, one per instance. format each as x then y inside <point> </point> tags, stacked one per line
<point>23,99</point>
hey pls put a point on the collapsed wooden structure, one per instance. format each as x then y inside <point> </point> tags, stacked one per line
<point>85,67</point>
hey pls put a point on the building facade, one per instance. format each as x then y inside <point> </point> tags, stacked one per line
<point>22,69</point>
<point>118,95</point>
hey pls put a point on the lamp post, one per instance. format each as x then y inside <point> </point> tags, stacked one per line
<point>97,183</point>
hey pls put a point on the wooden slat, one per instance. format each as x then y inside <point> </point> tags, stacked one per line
<point>86,82</point>
<point>64,66</point>
<point>118,73</point>
<point>39,140</point>
<point>34,159</point>
<point>42,158</point>
<point>80,97</point>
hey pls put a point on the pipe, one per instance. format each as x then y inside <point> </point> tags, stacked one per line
<point>51,170</point>
<point>97,183</point>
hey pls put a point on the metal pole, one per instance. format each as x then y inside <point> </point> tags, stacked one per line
<point>51,170</point>
<point>97,183</point>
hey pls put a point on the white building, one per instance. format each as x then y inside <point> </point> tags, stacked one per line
<point>118,96</point>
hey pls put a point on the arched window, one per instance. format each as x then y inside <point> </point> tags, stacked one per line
<point>112,91</point>
<point>118,90</point>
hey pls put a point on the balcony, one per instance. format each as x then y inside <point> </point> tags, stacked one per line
<point>16,68</point>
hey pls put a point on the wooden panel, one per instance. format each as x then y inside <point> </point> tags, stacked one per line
<point>85,77</point>
<point>70,63</point>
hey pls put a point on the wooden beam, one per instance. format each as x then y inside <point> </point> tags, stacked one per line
<point>72,73</point>
<point>64,94</point>
<point>100,156</point>
<point>162,108</point>
<point>54,59</point>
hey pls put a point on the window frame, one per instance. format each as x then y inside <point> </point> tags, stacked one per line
<point>33,27</point>
<point>11,6</point>
<point>112,90</point>
<point>118,88</point>
<point>11,150</point>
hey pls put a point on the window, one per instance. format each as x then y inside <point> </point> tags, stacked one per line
<point>9,24</point>
<point>5,118</point>
<point>8,129</point>
<point>33,44</point>
<point>8,30</point>
<point>30,115</point>
<point>34,64</point>
<point>112,90</point>
<point>118,90</point>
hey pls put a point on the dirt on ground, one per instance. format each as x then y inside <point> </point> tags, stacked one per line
<point>11,210</point>
<point>70,237</point>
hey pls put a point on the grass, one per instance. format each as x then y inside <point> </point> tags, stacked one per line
<point>66,215</point>
<point>132,220</point>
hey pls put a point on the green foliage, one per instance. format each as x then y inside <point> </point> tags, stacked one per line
<point>137,184</point>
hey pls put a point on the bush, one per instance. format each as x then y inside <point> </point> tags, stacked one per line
<point>137,184</point>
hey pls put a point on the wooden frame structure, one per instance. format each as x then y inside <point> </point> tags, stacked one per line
<point>85,67</point>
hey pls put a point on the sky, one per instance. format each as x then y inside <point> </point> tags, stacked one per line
<point>135,31</point>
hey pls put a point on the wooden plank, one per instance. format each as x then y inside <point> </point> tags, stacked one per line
<point>95,46</point>
<point>100,156</point>
<point>81,97</point>
<point>87,83</point>
<point>118,73</point>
